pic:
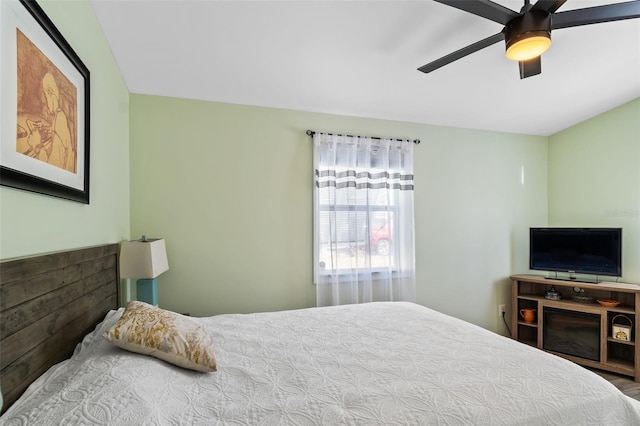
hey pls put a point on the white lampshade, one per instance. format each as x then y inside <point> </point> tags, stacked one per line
<point>143,258</point>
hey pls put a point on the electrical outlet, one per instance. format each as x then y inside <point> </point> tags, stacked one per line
<point>500,310</point>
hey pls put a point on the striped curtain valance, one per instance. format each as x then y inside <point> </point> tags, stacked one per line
<point>362,180</point>
<point>352,183</point>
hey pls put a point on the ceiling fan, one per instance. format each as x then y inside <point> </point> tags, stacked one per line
<point>528,33</point>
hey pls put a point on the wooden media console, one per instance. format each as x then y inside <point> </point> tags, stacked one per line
<point>579,312</point>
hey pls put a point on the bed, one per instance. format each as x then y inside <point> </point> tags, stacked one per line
<point>376,363</point>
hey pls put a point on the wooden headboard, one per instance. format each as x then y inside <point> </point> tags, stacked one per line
<point>48,303</point>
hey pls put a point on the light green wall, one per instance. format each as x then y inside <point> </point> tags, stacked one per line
<point>230,188</point>
<point>477,195</point>
<point>594,178</point>
<point>32,223</point>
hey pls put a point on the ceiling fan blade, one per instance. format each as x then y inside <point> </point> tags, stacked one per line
<point>531,67</point>
<point>431,66</point>
<point>595,15</point>
<point>548,5</point>
<point>485,8</point>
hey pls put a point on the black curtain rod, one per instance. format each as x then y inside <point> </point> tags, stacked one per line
<point>311,133</point>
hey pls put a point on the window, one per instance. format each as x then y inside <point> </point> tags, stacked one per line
<point>363,218</point>
<point>354,234</point>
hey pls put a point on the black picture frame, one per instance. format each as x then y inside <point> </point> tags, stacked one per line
<point>22,166</point>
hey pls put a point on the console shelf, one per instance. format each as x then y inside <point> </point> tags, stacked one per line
<point>618,356</point>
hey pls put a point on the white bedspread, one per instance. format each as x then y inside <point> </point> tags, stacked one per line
<point>379,363</point>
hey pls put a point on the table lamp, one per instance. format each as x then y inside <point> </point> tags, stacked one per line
<point>144,259</point>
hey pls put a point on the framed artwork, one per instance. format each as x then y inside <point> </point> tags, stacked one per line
<point>44,106</point>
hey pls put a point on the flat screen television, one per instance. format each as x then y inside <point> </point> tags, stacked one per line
<point>594,251</point>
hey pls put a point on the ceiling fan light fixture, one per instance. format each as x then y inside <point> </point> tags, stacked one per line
<point>529,47</point>
<point>528,36</point>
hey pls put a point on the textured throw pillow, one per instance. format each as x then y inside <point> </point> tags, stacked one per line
<point>171,337</point>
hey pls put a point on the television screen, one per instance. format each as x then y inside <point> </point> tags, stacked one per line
<point>596,251</point>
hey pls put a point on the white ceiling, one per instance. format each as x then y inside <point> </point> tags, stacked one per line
<point>360,58</point>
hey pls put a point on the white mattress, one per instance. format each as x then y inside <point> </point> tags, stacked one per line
<point>378,363</point>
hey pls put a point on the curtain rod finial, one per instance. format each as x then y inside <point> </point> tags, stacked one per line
<point>310,132</point>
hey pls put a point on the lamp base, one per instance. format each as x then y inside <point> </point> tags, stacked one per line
<point>147,290</point>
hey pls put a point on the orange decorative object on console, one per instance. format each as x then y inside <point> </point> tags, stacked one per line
<point>609,303</point>
<point>528,315</point>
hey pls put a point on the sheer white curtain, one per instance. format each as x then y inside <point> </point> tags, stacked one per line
<point>364,249</point>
